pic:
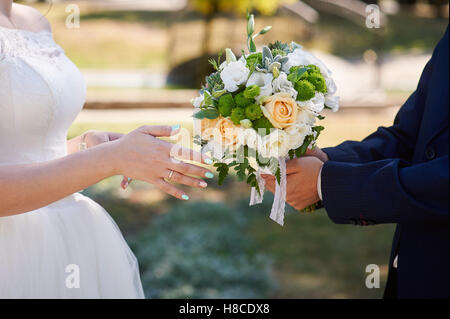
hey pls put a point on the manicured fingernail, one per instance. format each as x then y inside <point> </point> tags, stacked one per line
<point>209,175</point>
<point>185,197</point>
<point>203,184</point>
<point>208,161</point>
<point>175,127</point>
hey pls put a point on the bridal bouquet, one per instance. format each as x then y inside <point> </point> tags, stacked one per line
<point>257,111</point>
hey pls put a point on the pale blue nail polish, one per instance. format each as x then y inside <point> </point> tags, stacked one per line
<point>185,197</point>
<point>208,161</point>
<point>209,175</point>
<point>175,127</point>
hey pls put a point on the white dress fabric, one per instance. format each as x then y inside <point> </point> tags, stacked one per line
<point>44,252</point>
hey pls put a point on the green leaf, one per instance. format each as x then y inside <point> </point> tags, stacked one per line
<point>251,45</point>
<point>299,152</point>
<point>320,117</point>
<point>240,170</point>
<point>295,76</point>
<point>222,169</point>
<point>207,113</point>
<point>214,64</point>
<point>278,175</point>
<point>291,154</point>
<point>318,130</point>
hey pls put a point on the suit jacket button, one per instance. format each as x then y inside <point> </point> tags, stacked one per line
<point>430,153</point>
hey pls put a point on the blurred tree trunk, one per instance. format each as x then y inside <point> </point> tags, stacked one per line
<point>204,66</point>
<point>438,7</point>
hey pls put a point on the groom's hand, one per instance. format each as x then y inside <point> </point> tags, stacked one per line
<point>302,175</point>
<point>317,152</point>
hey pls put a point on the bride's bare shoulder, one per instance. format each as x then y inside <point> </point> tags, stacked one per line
<point>35,20</point>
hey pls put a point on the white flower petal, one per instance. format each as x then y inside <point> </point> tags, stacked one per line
<point>234,74</point>
<point>263,80</point>
<point>332,102</point>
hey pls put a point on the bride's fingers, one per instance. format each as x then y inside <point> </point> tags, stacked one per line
<point>189,169</point>
<point>178,178</point>
<point>178,152</point>
<point>171,190</point>
<point>159,131</point>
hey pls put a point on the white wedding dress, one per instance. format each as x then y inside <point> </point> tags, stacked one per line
<point>44,252</point>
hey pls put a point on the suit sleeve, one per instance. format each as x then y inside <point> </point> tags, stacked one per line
<point>396,141</point>
<point>386,191</point>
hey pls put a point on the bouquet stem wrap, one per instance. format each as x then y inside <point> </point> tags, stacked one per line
<point>279,202</point>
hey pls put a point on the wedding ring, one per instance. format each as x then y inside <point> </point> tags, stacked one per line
<point>170,175</point>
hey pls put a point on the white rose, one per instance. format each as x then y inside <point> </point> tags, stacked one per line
<point>306,116</point>
<point>297,134</point>
<point>264,81</point>
<point>250,138</point>
<point>234,74</point>
<point>198,101</point>
<point>331,85</point>
<point>282,84</point>
<point>276,144</point>
<point>332,102</point>
<point>316,104</point>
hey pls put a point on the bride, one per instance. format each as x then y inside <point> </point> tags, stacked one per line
<point>47,229</point>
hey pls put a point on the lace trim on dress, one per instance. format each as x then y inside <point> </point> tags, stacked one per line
<point>15,42</point>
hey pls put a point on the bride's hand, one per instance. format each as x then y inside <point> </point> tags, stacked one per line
<point>141,155</point>
<point>93,138</point>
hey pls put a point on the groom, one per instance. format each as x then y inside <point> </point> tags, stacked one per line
<point>399,174</point>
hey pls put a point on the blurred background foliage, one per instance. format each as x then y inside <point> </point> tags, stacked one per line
<point>154,55</point>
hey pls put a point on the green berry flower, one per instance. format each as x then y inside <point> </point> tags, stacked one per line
<point>237,115</point>
<point>252,91</point>
<point>262,123</point>
<point>226,104</point>
<point>305,89</point>
<point>253,60</point>
<point>253,112</point>
<point>313,69</point>
<point>242,101</point>
<point>318,81</point>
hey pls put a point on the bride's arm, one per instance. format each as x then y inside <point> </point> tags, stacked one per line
<point>27,187</point>
<point>138,155</point>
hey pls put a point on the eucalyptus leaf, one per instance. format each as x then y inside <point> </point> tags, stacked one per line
<point>207,114</point>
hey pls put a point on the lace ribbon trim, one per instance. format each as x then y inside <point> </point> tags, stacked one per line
<point>279,201</point>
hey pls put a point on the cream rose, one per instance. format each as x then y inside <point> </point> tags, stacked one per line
<point>207,128</point>
<point>306,116</point>
<point>226,132</point>
<point>297,134</point>
<point>280,109</point>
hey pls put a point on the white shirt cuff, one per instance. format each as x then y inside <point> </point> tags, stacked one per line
<point>319,184</point>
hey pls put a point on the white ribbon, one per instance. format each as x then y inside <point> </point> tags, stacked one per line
<point>279,201</point>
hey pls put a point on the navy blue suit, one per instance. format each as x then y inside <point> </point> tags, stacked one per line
<point>399,174</point>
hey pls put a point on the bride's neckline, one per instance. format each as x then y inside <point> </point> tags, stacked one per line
<point>24,31</point>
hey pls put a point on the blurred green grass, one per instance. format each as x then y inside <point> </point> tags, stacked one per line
<point>310,257</point>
